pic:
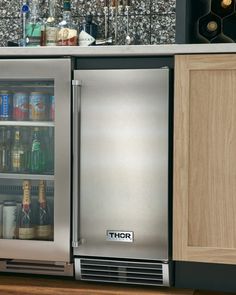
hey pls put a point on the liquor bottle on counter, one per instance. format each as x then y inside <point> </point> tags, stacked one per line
<point>18,153</point>
<point>35,30</point>
<point>5,149</point>
<point>67,34</point>
<point>222,7</point>
<point>51,28</point>
<point>44,226</point>
<point>88,32</point>
<point>37,160</point>
<point>26,227</point>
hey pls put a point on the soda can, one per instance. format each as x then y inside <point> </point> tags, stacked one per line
<point>20,106</point>
<point>52,108</point>
<point>5,105</point>
<point>9,220</point>
<point>37,106</point>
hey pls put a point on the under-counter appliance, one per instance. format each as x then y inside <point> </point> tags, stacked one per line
<point>121,175</point>
<point>35,162</point>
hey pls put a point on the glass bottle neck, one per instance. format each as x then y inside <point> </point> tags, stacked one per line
<point>35,8</point>
<point>66,15</point>
<point>66,6</point>
<point>52,11</point>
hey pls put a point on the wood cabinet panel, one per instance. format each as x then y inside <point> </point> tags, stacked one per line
<point>205,159</point>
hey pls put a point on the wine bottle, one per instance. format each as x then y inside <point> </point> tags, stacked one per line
<point>44,226</point>
<point>222,8</point>
<point>209,26</point>
<point>26,228</point>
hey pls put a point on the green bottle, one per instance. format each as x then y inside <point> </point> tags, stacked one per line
<point>37,161</point>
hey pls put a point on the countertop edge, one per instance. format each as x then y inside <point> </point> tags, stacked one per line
<point>132,50</point>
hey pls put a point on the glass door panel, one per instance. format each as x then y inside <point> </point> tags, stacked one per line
<point>35,159</point>
<point>27,113</point>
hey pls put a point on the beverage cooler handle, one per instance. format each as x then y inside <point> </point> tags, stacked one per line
<point>76,173</point>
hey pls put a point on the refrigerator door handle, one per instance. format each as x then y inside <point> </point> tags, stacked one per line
<point>76,84</point>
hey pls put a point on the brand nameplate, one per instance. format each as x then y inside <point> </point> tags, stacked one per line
<point>120,236</point>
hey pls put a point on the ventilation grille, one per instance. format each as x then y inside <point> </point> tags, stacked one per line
<point>117,271</point>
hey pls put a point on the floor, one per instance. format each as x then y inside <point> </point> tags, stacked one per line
<point>29,285</point>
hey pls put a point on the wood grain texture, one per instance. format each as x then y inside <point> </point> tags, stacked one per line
<point>210,293</point>
<point>181,155</point>
<point>35,286</point>
<point>205,159</point>
<point>30,285</point>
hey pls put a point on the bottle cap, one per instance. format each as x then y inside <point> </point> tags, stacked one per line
<point>25,8</point>
<point>66,5</point>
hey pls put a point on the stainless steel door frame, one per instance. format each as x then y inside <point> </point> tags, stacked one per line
<point>58,70</point>
<point>124,163</point>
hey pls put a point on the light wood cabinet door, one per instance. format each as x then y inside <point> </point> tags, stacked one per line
<point>204,222</point>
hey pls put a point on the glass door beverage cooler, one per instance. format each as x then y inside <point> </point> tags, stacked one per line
<point>35,166</point>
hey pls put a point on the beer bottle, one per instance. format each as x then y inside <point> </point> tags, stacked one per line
<point>26,228</point>
<point>5,149</point>
<point>18,153</point>
<point>37,161</point>
<point>44,226</point>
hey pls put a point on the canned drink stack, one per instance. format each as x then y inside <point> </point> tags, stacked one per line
<point>9,220</point>
<point>37,106</point>
<point>5,105</point>
<point>20,106</point>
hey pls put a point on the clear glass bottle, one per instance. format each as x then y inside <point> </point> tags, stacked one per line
<point>18,153</point>
<point>67,33</point>
<point>51,28</point>
<point>34,26</point>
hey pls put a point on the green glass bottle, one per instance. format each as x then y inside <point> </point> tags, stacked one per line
<point>37,161</point>
<point>5,149</point>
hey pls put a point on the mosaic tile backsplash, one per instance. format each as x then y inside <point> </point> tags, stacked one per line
<point>150,22</point>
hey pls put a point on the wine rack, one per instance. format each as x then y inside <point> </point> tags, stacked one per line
<point>218,24</point>
<point>206,21</point>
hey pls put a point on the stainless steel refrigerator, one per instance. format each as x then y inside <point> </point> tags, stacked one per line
<point>35,143</point>
<point>120,175</point>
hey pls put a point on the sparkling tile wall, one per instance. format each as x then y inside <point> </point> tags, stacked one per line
<point>151,21</point>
